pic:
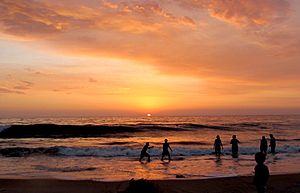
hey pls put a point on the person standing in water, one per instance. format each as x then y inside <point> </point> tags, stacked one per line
<point>272,143</point>
<point>261,173</point>
<point>235,147</point>
<point>217,145</point>
<point>263,145</point>
<point>166,147</point>
<point>144,152</point>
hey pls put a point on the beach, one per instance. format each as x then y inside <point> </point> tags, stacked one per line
<point>277,184</point>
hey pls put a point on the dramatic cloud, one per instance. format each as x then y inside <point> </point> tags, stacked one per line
<point>218,48</point>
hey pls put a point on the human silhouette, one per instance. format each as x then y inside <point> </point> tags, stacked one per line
<point>261,173</point>
<point>144,152</point>
<point>263,145</point>
<point>234,145</point>
<point>217,145</point>
<point>272,143</point>
<point>166,147</point>
<point>138,186</point>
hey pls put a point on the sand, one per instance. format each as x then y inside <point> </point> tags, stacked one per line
<point>278,184</point>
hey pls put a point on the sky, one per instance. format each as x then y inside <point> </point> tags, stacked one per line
<point>165,57</point>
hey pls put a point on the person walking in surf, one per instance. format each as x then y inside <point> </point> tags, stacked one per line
<point>263,145</point>
<point>166,147</point>
<point>272,143</point>
<point>217,145</point>
<point>234,145</point>
<point>144,152</point>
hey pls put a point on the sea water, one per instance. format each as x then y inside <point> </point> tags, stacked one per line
<point>114,155</point>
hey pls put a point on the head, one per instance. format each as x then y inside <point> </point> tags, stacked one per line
<point>271,135</point>
<point>147,143</point>
<point>260,158</point>
<point>263,137</point>
<point>166,141</point>
<point>218,137</point>
<point>234,137</point>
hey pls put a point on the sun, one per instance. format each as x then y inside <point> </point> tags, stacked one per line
<point>149,115</point>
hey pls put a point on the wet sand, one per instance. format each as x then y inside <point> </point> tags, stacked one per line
<point>278,184</point>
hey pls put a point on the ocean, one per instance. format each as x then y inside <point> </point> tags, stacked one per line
<point>108,148</point>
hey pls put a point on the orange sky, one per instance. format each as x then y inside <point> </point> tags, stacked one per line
<point>175,57</point>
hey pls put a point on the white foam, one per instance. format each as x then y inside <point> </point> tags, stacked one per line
<point>3,127</point>
<point>118,151</point>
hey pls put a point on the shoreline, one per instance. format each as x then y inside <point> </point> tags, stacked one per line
<point>288,183</point>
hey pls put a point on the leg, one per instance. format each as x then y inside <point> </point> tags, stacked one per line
<point>148,157</point>
<point>272,149</point>
<point>142,156</point>
<point>163,156</point>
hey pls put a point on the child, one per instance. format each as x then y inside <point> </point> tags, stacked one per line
<point>261,173</point>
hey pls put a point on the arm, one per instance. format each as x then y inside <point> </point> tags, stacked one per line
<point>170,148</point>
<point>150,147</point>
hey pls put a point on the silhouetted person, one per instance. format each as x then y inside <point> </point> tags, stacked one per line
<point>141,186</point>
<point>166,152</point>
<point>261,173</point>
<point>217,145</point>
<point>263,145</point>
<point>144,152</point>
<point>234,145</point>
<point>272,143</point>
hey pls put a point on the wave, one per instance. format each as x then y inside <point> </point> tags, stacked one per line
<point>65,131</point>
<point>68,131</point>
<point>4,127</point>
<point>119,151</point>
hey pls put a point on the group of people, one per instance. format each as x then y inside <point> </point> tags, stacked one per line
<point>261,170</point>
<point>166,147</point>
<point>218,145</point>
<point>235,147</point>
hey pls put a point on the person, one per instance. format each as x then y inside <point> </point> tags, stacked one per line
<point>235,147</point>
<point>144,152</point>
<point>272,143</point>
<point>217,145</point>
<point>166,147</point>
<point>261,173</point>
<point>263,145</point>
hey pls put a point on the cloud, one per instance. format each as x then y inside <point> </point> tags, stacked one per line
<point>250,13</point>
<point>24,85</point>
<point>244,13</point>
<point>164,34</point>
<point>92,80</point>
<point>39,19</point>
<point>9,91</point>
